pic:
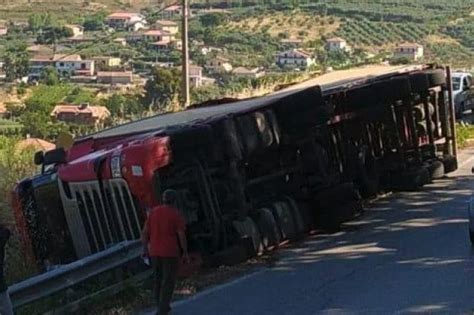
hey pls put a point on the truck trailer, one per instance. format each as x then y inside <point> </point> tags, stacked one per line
<point>250,173</point>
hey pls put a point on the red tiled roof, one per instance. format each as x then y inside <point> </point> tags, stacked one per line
<point>155,33</point>
<point>96,111</point>
<point>166,23</point>
<point>37,144</point>
<point>122,15</point>
<point>336,40</point>
<point>410,45</point>
<point>114,73</point>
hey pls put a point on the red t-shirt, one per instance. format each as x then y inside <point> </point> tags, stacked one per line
<point>163,224</point>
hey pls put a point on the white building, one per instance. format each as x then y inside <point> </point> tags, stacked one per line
<point>295,58</point>
<point>126,21</point>
<point>166,26</point>
<point>77,30</point>
<point>412,51</point>
<point>196,79</point>
<point>218,65</point>
<point>65,65</point>
<point>242,72</point>
<point>336,44</point>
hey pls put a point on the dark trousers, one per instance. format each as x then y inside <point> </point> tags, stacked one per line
<point>165,269</point>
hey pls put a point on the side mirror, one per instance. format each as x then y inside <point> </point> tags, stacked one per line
<point>39,158</point>
<point>56,156</point>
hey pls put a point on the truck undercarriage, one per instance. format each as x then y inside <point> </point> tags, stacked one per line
<point>250,173</point>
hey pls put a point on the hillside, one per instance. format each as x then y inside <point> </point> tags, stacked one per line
<point>447,34</point>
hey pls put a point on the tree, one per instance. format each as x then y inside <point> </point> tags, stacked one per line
<point>15,60</point>
<point>163,89</point>
<point>94,22</point>
<point>49,76</point>
<point>36,124</point>
<point>212,19</point>
<point>39,21</point>
<point>50,35</point>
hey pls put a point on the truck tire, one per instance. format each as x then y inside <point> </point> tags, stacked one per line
<point>436,169</point>
<point>419,82</point>
<point>411,179</point>
<point>298,219</point>
<point>419,112</point>
<point>284,218</point>
<point>268,227</point>
<point>248,229</point>
<point>436,77</point>
<point>450,163</point>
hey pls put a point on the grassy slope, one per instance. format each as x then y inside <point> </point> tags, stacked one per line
<point>440,45</point>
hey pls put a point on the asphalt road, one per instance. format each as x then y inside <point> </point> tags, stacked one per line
<point>409,253</point>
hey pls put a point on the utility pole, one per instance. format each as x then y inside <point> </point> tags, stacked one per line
<point>185,54</point>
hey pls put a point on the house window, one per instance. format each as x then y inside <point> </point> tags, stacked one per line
<point>83,66</point>
<point>61,64</point>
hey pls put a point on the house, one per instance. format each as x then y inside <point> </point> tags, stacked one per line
<point>126,21</point>
<point>150,36</point>
<point>291,42</point>
<point>83,114</point>
<point>173,11</point>
<point>3,30</point>
<point>77,30</point>
<point>121,41</point>
<point>68,65</point>
<point>242,72</point>
<point>218,65</point>
<point>195,76</point>
<point>36,144</point>
<point>411,51</point>
<point>42,50</point>
<point>209,49</point>
<point>336,44</point>
<point>114,77</point>
<point>196,79</point>
<point>295,58</point>
<point>105,62</point>
<point>166,26</point>
<point>158,36</point>
<point>65,65</point>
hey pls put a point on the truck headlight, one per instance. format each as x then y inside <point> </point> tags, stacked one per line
<point>115,166</point>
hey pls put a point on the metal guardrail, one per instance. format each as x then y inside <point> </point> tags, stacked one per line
<point>48,283</point>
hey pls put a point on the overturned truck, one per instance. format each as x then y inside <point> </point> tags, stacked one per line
<point>255,172</point>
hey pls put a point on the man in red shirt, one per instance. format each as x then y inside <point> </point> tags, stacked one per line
<point>163,235</point>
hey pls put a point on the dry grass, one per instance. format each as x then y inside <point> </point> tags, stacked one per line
<point>295,25</point>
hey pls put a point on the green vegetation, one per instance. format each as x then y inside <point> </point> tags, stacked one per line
<point>464,133</point>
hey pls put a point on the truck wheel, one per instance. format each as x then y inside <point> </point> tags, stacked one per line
<point>247,229</point>
<point>284,219</point>
<point>419,82</point>
<point>450,163</point>
<point>411,179</point>
<point>297,216</point>
<point>419,112</point>
<point>436,169</point>
<point>436,77</point>
<point>267,226</point>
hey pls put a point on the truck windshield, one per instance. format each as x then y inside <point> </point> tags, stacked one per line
<point>456,83</point>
